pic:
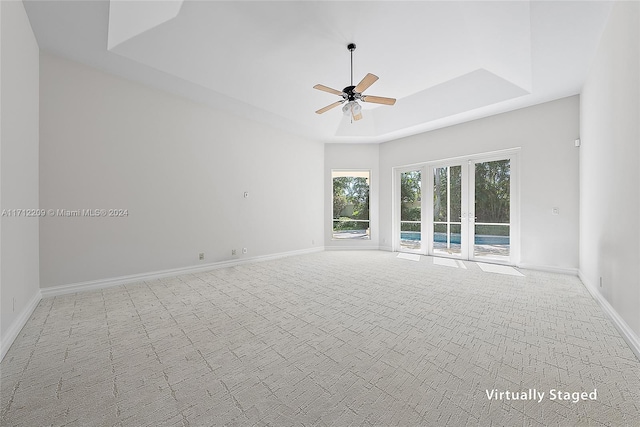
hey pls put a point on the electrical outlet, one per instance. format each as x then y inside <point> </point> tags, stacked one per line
<point>244,250</point>
<point>233,251</point>
<point>555,211</point>
<point>201,256</point>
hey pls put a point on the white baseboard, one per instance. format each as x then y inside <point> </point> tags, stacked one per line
<point>549,269</point>
<point>122,280</point>
<point>18,324</point>
<point>351,248</point>
<point>629,336</point>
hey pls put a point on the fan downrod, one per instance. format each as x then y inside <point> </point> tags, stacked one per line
<point>351,47</point>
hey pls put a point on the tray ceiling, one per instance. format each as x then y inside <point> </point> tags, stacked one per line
<point>445,62</point>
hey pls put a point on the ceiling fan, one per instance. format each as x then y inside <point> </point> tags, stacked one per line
<point>351,94</point>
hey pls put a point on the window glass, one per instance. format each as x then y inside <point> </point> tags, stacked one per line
<point>351,205</point>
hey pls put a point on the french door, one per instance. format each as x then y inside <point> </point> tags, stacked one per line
<point>448,232</point>
<point>464,208</point>
<point>410,210</point>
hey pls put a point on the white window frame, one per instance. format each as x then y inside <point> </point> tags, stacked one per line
<point>354,170</point>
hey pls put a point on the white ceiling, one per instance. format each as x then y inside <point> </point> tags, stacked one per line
<point>446,62</point>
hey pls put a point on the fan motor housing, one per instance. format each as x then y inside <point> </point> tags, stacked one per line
<point>349,93</point>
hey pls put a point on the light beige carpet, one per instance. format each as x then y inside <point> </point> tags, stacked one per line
<point>334,338</point>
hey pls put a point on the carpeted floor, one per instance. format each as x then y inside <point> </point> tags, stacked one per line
<point>333,338</point>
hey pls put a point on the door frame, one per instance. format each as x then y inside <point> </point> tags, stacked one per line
<point>396,218</point>
<point>514,206</point>
<point>464,229</point>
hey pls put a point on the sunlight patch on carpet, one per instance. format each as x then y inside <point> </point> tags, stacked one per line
<point>500,269</point>
<point>447,262</point>
<point>410,257</point>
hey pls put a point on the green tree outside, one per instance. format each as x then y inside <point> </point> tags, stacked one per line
<point>350,201</point>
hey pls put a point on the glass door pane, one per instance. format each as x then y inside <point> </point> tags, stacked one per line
<point>411,211</point>
<point>492,204</point>
<point>447,211</point>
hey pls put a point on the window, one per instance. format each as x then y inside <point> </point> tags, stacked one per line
<point>351,205</point>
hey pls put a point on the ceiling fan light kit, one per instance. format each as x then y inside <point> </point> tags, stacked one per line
<point>351,94</point>
<point>351,107</point>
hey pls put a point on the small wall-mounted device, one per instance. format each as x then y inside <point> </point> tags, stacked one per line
<point>577,142</point>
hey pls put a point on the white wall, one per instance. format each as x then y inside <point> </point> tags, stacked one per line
<point>609,172</point>
<point>548,173</point>
<point>19,277</point>
<point>180,169</point>
<point>352,156</point>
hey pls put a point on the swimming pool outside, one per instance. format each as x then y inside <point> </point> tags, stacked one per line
<point>414,236</point>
